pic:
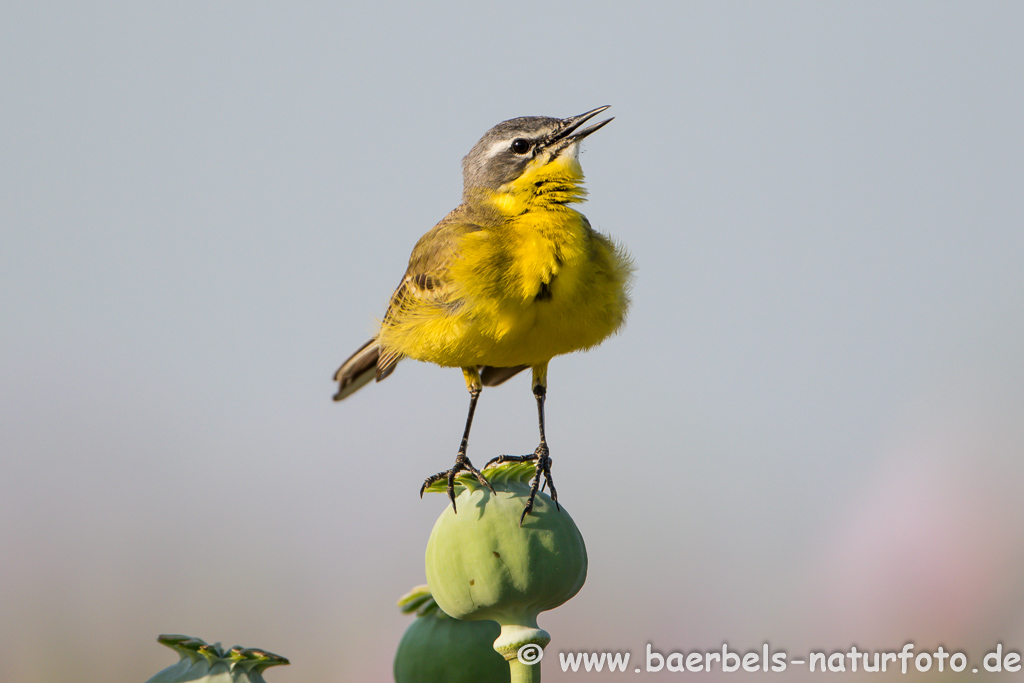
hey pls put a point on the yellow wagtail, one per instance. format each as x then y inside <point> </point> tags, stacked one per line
<point>508,280</point>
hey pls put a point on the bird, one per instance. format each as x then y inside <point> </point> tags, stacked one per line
<point>509,279</point>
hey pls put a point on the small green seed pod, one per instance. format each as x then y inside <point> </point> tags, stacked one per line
<point>203,663</point>
<point>439,649</point>
<point>481,564</point>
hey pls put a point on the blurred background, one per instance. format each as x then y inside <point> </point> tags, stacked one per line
<point>809,434</point>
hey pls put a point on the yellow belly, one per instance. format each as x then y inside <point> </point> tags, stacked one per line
<point>521,293</point>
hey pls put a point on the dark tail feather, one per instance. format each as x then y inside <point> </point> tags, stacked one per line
<point>358,370</point>
<point>365,364</point>
<point>492,377</point>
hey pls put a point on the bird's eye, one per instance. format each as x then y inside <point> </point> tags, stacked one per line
<point>520,146</point>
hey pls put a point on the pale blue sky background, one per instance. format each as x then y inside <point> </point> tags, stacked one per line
<point>809,432</point>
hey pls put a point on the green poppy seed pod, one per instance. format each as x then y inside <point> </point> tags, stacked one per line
<point>481,564</point>
<point>203,663</point>
<point>437,647</point>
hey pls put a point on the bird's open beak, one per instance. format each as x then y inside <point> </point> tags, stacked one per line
<point>566,136</point>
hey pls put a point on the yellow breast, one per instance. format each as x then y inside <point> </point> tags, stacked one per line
<point>535,283</point>
<point>539,286</point>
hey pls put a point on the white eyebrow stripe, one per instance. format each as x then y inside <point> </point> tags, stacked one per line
<point>497,147</point>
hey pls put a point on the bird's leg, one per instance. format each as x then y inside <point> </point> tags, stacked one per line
<point>541,455</point>
<point>462,463</point>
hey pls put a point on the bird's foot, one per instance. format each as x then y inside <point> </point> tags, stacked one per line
<point>543,467</point>
<point>462,464</point>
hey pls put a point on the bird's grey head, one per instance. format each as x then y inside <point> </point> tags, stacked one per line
<point>504,151</point>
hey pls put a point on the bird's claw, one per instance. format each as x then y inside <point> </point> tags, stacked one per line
<point>543,468</point>
<point>462,464</point>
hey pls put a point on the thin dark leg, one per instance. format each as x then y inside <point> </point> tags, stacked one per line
<point>542,456</point>
<point>474,396</point>
<point>462,463</point>
<point>542,473</point>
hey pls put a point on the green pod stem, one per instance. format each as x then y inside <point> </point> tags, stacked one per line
<point>523,673</point>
